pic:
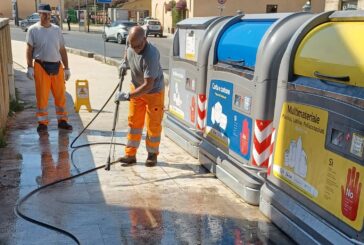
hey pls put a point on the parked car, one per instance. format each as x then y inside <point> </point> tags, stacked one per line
<point>118,30</point>
<point>152,27</point>
<point>34,18</point>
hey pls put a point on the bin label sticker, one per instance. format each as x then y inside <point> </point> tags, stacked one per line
<point>226,127</point>
<point>357,145</point>
<point>190,46</point>
<point>191,84</point>
<point>181,99</point>
<point>242,103</point>
<point>301,160</point>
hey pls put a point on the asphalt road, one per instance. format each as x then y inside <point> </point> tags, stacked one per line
<point>93,42</point>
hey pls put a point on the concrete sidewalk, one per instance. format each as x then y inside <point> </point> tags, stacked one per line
<point>176,202</point>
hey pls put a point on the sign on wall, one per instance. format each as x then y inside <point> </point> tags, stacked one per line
<point>104,1</point>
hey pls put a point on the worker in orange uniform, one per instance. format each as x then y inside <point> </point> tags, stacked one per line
<point>45,44</point>
<point>146,97</point>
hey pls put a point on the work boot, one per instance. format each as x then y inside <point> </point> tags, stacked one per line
<point>42,128</point>
<point>64,125</point>
<point>127,160</point>
<point>151,160</point>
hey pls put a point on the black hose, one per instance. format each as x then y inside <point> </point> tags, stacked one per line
<point>23,199</point>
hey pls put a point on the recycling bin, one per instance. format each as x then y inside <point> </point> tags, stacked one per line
<point>185,118</point>
<point>314,183</point>
<point>241,85</point>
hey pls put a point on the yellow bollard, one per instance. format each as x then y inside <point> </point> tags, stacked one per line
<point>82,95</point>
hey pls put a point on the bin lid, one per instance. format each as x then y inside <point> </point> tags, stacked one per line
<point>196,22</point>
<point>240,42</point>
<point>333,51</point>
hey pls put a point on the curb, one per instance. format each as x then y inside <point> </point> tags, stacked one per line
<point>107,60</point>
<point>97,57</point>
<point>80,52</point>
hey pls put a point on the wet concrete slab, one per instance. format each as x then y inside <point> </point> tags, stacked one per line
<point>176,202</point>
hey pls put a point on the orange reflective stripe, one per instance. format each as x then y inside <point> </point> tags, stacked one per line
<point>44,110</point>
<point>60,109</point>
<point>153,139</point>
<point>135,131</point>
<point>152,149</point>
<point>153,144</point>
<point>133,143</point>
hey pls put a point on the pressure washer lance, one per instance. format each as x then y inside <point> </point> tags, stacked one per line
<point>116,113</point>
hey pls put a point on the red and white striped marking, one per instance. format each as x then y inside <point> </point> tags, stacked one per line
<point>271,155</point>
<point>201,112</point>
<point>262,149</point>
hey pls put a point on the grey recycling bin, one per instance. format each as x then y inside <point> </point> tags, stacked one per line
<point>241,84</point>
<point>314,187</point>
<point>186,114</point>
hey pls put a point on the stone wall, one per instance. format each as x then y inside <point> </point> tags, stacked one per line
<point>7,89</point>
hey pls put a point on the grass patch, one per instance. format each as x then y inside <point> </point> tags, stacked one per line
<point>2,138</point>
<point>15,105</point>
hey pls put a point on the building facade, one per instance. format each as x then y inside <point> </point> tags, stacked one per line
<point>138,9</point>
<point>344,4</point>
<point>193,8</point>
<point>25,7</point>
<point>190,8</point>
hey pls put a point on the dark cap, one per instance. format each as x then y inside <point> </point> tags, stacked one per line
<point>44,8</point>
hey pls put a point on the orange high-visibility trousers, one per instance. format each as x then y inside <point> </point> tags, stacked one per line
<point>45,83</point>
<point>148,108</point>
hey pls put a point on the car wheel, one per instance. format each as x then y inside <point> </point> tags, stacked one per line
<point>146,33</point>
<point>155,35</point>
<point>119,39</point>
<point>161,35</point>
<point>104,37</point>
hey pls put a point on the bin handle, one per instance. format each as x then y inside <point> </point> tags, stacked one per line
<point>238,64</point>
<point>339,78</point>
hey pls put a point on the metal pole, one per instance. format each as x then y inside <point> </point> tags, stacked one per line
<point>116,115</point>
<point>78,16</point>
<point>221,7</point>
<point>86,17</point>
<point>15,14</point>
<point>61,5</point>
<point>95,10</point>
<point>104,15</point>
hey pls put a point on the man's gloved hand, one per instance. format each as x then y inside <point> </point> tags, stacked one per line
<point>124,65</point>
<point>30,73</point>
<point>122,96</point>
<point>67,74</point>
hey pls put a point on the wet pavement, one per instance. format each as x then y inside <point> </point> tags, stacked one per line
<point>176,202</point>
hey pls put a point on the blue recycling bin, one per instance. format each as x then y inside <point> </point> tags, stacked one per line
<point>241,84</point>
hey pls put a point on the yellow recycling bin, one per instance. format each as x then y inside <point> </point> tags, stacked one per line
<point>82,95</point>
